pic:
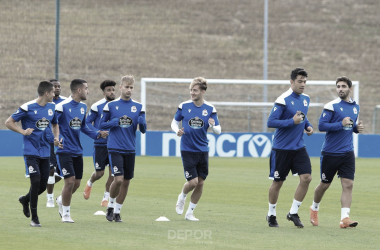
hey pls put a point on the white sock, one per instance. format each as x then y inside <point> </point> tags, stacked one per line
<point>345,212</point>
<point>272,209</point>
<point>295,206</point>
<point>191,208</point>
<point>183,195</point>
<point>89,183</point>
<point>117,208</point>
<point>59,199</point>
<point>315,206</point>
<point>106,196</point>
<point>112,202</point>
<point>51,180</point>
<point>50,196</point>
<point>66,210</point>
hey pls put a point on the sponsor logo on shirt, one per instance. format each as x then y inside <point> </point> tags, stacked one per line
<point>75,123</point>
<point>196,123</point>
<point>125,121</point>
<point>204,112</point>
<point>349,126</point>
<point>32,170</point>
<point>50,112</point>
<point>133,109</point>
<point>355,111</point>
<point>42,123</point>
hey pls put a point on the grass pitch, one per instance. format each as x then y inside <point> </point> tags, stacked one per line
<point>232,210</point>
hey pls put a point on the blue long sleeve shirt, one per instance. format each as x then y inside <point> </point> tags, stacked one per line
<point>289,136</point>
<point>338,138</point>
<point>93,120</point>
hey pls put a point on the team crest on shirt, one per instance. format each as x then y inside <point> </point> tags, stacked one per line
<point>355,111</point>
<point>32,170</point>
<point>42,123</point>
<point>125,121</point>
<point>75,123</point>
<point>50,112</point>
<point>133,109</point>
<point>82,111</point>
<point>117,107</point>
<point>204,112</point>
<point>35,111</point>
<point>276,174</point>
<point>292,102</point>
<point>116,170</point>
<point>304,103</point>
<point>196,123</point>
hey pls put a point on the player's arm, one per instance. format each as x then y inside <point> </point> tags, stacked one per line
<point>275,115</point>
<point>91,117</point>
<point>324,123</point>
<point>105,122</point>
<point>308,127</point>
<point>94,134</point>
<point>16,117</point>
<point>175,123</point>
<point>213,122</point>
<point>142,122</point>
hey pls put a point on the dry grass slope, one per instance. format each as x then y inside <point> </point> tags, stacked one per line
<point>214,39</point>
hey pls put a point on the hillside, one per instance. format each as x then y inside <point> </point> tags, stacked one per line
<point>215,39</point>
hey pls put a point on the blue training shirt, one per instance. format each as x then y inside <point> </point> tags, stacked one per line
<point>338,139</point>
<point>121,117</point>
<point>48,131</point>
<point>195,123</point>
<point>71,117</point>
<point>93,120</point>
<point>37,117</point>
<point>289,136</point>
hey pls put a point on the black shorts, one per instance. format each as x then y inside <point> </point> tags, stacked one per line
<point>100,158</point>
<point>36,166</point>
<point>195,164</point>
<point>70,165</point>
<point>343,164</point>
<point>122,164</point>
<point>53,158</point>
<point>282,161</point>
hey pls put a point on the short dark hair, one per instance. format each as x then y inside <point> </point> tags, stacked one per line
<point>76,84</point>
<point>296,72</point>
<point>344,79</point>
<point>107,83</point>
<point>43,87</point>
<point>53,80</point>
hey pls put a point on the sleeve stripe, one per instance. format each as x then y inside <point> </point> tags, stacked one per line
<point>328,110</point>
<point>280,104</point>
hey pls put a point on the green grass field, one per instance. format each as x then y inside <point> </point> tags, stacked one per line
<point>232,211</point>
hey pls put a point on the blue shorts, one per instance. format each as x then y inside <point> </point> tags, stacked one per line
<point>36,166</point>
<point>343,164</point>
<point>122,164</point>
<point>70,165</point>
<point>100,158</point>
<point>195,164</point>
<point>53,158</point>
<point>282,161</point>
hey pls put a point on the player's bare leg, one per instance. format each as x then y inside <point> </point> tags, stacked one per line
<point>318,195</point>
<point>346,199</point>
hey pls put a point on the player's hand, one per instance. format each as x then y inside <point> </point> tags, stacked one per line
<point>141,120</point>
<point>211,121</point>
<point>181,132</point>
<point>346,121</point>
<point>58,143</point>
<point>297,118</point>
<point>28,131</point>
<point>309,131</point>
<point>103,134</point>
<point>360,127</point>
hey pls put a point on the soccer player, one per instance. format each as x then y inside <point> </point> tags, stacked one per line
<point>54,176</point>
<point>121,117</point>
<point>197,116</point>
<point>339,121</point>
<point>100,156</point>
<point>35,117</point>
<point>289,117</point>
<point>71,119</point>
